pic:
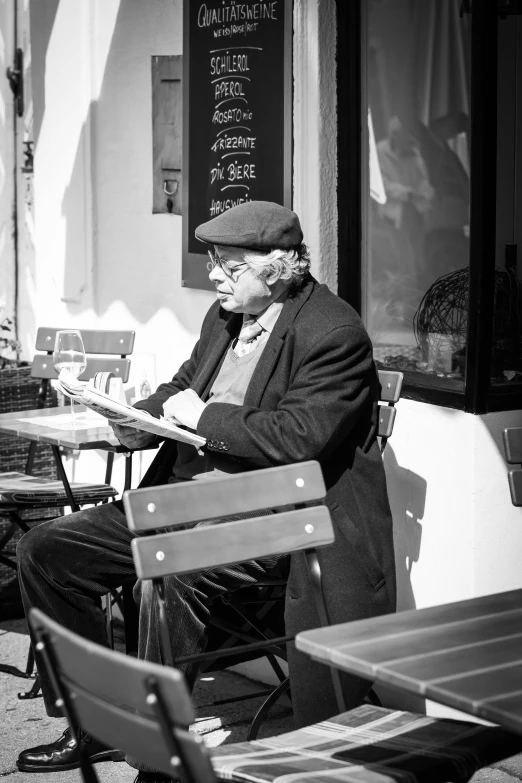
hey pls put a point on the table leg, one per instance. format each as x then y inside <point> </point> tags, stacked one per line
<point>63,476</point>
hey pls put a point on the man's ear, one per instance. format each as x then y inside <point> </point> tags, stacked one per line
<point>272,277</point>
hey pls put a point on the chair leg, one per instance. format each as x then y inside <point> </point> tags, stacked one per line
<point>128,470</point>
<point>33,693</point>
<point>372,698</point>
<point>7,668</point>
<point>265,707</point>
<point>108,469</point>
<point>108,620</point>
<point>63,476</point>
<point>29,667</point>
<point>272,660</point>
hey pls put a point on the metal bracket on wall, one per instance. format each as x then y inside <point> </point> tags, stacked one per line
<point>15,77</point>
<point>28,167</point>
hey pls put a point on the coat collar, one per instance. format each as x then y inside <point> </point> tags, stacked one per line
<point>273,348</point>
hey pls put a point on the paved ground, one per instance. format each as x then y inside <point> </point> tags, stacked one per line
<point>25,724</point>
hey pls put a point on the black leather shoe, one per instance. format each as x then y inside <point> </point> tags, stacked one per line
<point>153,777</point>
<point>65,754</point>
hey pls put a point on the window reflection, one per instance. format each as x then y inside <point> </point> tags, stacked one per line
<point>417,218</point>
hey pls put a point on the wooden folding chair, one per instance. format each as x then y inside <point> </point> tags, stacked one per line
<point>295,522</point>
<point>241,618</point>
<point>513,447</point>
<point>145,711</point>
<point>107,351</point>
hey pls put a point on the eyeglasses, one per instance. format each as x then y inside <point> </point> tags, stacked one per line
<point>230,271</point>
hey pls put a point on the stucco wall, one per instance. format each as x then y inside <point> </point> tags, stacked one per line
<point>104,258</point>
<point>457,534</point>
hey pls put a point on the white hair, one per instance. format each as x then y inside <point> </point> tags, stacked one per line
<point>291,265</point>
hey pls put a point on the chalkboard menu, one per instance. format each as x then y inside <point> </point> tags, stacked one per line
<point>237,114</point>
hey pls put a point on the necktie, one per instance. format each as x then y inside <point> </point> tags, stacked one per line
<point>249,331</point>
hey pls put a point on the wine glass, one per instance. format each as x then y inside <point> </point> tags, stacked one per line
<point>69,354</point>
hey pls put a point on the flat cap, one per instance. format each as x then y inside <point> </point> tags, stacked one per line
<point>259,225</point>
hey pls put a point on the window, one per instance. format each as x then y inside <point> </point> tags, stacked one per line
<point>416,186</point>
<point>427,194</point>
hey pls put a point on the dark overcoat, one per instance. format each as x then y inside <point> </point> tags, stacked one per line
<point>313,395</point>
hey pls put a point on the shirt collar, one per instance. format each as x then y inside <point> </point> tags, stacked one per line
<point>267,319</point>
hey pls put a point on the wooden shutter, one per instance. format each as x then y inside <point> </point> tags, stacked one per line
<point>166,133</point>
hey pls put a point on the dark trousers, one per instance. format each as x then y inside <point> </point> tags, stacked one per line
<point>67,564</point>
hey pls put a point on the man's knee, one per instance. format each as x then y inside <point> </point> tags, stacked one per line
<point>32,545</point>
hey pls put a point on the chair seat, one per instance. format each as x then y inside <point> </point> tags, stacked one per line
<point>20,491</point>
<point>369,744</point>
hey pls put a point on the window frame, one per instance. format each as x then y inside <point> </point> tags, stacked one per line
<point>478,396</point>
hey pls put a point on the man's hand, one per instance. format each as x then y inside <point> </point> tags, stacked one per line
<point>130,437</point>
<point>185,407</point>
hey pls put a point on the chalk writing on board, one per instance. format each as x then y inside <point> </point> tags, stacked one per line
<point>233,175</point>
<point>238,110</point>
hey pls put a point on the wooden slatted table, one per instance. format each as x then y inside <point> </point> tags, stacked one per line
<point>466,655</point>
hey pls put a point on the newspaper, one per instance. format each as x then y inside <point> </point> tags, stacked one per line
<point>120,412</point>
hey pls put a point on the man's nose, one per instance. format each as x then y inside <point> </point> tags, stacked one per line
<point>216,274</point>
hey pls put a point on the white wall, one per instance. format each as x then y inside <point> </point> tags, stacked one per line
<point>103,258</point>
<point>315,133</point>
<point>457,534</point>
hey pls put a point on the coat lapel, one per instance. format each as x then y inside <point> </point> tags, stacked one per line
<point>224,332</point>
<point>274,346</point>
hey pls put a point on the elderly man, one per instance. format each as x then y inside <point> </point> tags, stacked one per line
<point>282,373</point>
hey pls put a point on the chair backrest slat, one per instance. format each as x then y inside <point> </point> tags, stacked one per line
<point>100,671</point>
<point>104,341</point>
<point>515,485</point>
<point>513,444</point>
<point>386,420</point>
<point>391,385</point>
<point>231,542</point>
<point>512,437</point>
<point>193,501</point>
<point>140,737</point>
<point>42,367</point>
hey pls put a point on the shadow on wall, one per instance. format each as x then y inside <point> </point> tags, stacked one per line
<point>42,17</point>
<point>127,248</point>
<point>407,494</point>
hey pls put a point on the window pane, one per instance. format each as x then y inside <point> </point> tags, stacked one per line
<point>416,223</point>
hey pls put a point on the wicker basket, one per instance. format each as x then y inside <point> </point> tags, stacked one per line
<point>18,391</point>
